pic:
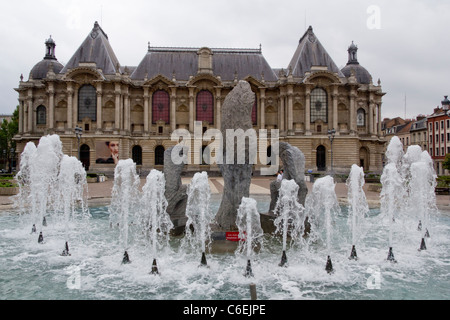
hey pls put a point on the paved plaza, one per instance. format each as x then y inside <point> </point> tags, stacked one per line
<point>100,193</point>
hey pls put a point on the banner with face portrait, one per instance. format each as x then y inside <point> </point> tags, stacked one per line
<point>107,152</point>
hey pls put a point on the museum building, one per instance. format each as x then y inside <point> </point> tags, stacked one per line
<point>135,109</point>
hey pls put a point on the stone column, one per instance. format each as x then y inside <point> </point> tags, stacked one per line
<point>218,112</point>
<point>146,111</point>
<point>21,116</point>
<point>118,93</point>
<point>99,107</point>
<point>371,118</point>
<point>173,110</point>
<point>307,110</point>
<point>353,95</point>
<point>30,111</point>
<point>379,119</point>
<point>69,106</point>
<point>262,108</point>
<point>126,109</point>
<point>281,113</point>
<point>191,109</point>
<point>75,106</point>
<point>51,105</point>
<point>290,110</point>
<point>335,109</point>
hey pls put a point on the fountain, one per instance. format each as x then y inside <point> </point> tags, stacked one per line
<point>53,184</point>
<point>421,195</point>
<point>72,185</point>
<point>124,201</point>
<point>198,225</point>
<point>357,205</point>
<point>290,215</point>
<point>393,193</point>
<point>154,219</point>
<point>250,231</point>
<point>322,208</point>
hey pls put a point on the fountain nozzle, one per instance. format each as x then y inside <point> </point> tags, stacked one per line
<point>126,258</point>
<point>65,252</point>
<point>248,270</point>
<point>329,266</point>
<point>203,261</point>
<point>423,245</point>
<point>391,256</point>
<point>283,259</point>
<point>154,267</point>
<point>353,255</point>
<point>41,238</point>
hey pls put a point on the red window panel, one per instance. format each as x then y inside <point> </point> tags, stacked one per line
<point>205,106</point>
<point>161,106</point>
<point>255,114</point>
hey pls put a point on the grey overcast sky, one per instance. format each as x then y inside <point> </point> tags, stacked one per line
<point>404,43</point>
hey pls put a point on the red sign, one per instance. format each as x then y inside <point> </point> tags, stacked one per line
<point>232,236</point>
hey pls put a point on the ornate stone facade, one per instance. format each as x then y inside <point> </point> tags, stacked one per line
<point>172,88</point>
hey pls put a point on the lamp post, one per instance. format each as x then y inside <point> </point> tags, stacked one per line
<point>78,133</point>
<point>331,134</point>
<point>12,159</point>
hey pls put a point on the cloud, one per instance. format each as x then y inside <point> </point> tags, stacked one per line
<point>408,52</point>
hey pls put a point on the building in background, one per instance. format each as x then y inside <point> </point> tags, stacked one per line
<point>439,135</point>
<point>139,107</point>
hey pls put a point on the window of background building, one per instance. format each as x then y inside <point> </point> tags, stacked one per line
<point>136,154</point>
<point>205,107</point>
<point>360,117</point>
<point>160,106</point>
<point>87,103</point>
<point>319,105</point>
<point>41,115</point>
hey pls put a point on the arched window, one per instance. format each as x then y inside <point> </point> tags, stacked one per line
<point>87,103</point>
<point>255,114</point>
<point>85,157</point>
<point>205,106</point>
<point>159,155</point>
<point>360,117</point>
<point>319,105</point>
<point>41,115</point>
<point>161,106</point>
<point>321,158</point>
<point>136,155</point>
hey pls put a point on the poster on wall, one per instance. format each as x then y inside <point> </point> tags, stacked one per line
<point>107,151</point>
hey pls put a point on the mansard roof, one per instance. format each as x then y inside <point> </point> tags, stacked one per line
<point>183,63</point>
<point>309,53</point>
<point>95,48</point>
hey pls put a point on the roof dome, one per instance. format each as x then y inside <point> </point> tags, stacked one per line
<point>40,70</point>
<point>362,75</point>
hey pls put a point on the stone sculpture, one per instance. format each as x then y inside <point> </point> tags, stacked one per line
<point>236,114</point>
<point>294,169</point>
<point>175,191</point>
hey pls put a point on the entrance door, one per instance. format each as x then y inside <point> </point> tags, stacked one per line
<point>85,156</point>
<point>320,158</point>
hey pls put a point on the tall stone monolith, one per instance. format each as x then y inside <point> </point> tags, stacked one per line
<point>236,114</point>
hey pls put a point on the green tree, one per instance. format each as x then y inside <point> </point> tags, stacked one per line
<point>8,129</point>
<point>446,163</point>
